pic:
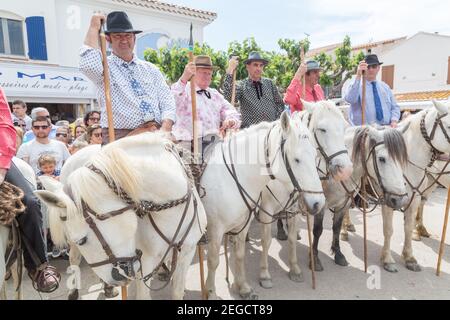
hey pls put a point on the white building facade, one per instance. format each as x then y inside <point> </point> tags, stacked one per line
<point>40,42</point>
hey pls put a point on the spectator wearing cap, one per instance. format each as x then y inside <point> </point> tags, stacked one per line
<point>313,91</point>
<point>258,97</point>
<point>381,106</point>
<point>39,112</point>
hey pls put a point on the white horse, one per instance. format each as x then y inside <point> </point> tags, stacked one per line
<point>436,123</point>
<point>239,169</point>
<point>89,213</point>
<point>29,174</point>
<point>327,125</point>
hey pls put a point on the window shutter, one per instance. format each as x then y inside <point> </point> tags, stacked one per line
<point>448,71</point>
<point>37,46</point>
<point>387,75</point>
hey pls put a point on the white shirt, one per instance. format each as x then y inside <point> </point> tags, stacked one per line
<point>33,150</point>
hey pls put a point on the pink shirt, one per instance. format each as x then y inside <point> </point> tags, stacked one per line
<point>7,133</point>
<point>210,112</point>
<point>295,91</point>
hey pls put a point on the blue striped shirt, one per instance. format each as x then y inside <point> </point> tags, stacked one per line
<point>391,110</point>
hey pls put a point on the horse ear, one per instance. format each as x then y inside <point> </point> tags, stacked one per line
<point>404,128</point>
<point>50,198</point>
<point>375,133</point>
<point>50,184</point>
<point>308,105</point>
<point>285,122</point>
<point>441,108</point>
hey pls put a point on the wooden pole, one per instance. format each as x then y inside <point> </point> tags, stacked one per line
<point>311,253</point>
<point>233,89</point>
<point>196,151</point>
<point>363,180</point>
<point>106,81</point>
<point>444,231</point>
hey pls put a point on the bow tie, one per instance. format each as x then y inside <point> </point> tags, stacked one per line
<point>207,94</point>
<point>258,87</point>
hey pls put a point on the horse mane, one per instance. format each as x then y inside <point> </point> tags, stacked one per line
<point>392,139</point>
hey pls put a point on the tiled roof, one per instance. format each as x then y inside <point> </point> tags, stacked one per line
<point>369,45</point>
<point>171,8</point>
<point>423,96</point>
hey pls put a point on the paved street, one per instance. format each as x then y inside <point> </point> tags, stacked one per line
<point>334,282</point>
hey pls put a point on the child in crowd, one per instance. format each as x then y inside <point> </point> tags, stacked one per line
<point>47,166</point>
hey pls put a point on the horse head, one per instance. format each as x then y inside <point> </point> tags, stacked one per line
<point>327,125</point>
<point>85,217</point>
<point>295,162</point>
<point>383,156</point>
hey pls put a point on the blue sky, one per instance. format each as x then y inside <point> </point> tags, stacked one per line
<point>327,21</point>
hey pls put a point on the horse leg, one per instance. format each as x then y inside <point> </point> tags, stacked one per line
<point>214,241</point>
<point>410,261</point>
<point>238,267</point>
<point>74,260</point>
<point>281,233</point>
<point>420,230</point>
<point>344,229</point>
<point>265,279</point>
<point>349,224</point>
<point>386,257</point>
<point>179,277</point>
<point>339,258</point>
<point>295,273</point>
<point>317,232</point>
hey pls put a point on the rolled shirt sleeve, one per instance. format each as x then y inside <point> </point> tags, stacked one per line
<point>91,64</point>
<point>167,104</point>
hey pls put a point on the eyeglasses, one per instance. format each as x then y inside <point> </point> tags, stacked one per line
<point>97,135</point>
<point>94,119</point>
<point>61,135</point>
<point>40,127</point>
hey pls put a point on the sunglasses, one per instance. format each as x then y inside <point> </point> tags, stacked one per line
<point>97,135</point>
<point>94,119</point>
<point>373,66</point>
<point>61,135</point>
<point>40,127</point>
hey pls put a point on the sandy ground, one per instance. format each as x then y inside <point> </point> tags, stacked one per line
<point>334,282</point>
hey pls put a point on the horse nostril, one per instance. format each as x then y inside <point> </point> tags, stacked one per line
<point>394,201</point>
<point>316,207</point>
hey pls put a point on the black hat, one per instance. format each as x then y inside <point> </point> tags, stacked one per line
<point>372,59</point>
<point>118,21</point>
<point>255,56</point>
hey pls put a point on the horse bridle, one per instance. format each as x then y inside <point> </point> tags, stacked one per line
<point>141,209</point>
<point>124,263</point>
<point>327,158</point>
<point>248,200</point>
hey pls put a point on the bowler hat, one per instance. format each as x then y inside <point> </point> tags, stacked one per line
<point>255,56</point>
<point>118,21</point>
<point>372,59</point>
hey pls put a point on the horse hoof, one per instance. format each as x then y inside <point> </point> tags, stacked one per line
<point>422,231</point>
<point>281,235</point>
<point>413,266</point>
<point>110,292</point>
<point>212,296</point>
<point>266,283</point>
<point>390,267</point>
<point>317,265</point>
<point>296,277</point>
<point>340,260</point>
<point>249,295</point>
<point>344,237</point>
<point>73,295</point>
<point>351,228</point>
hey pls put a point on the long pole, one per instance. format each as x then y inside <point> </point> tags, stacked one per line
<point>311,253</point>
<point>233,89</point>
<point>444,231</point>
<point>363,180</point>
<point>195,151</point>
<point>106,81</point>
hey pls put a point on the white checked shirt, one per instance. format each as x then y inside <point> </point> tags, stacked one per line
<point>139,92</point>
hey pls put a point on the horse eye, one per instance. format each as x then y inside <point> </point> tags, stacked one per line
<point>382,159</point>
<point>297,160</point>
<point>322,130</point>
<point>82,241</point>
